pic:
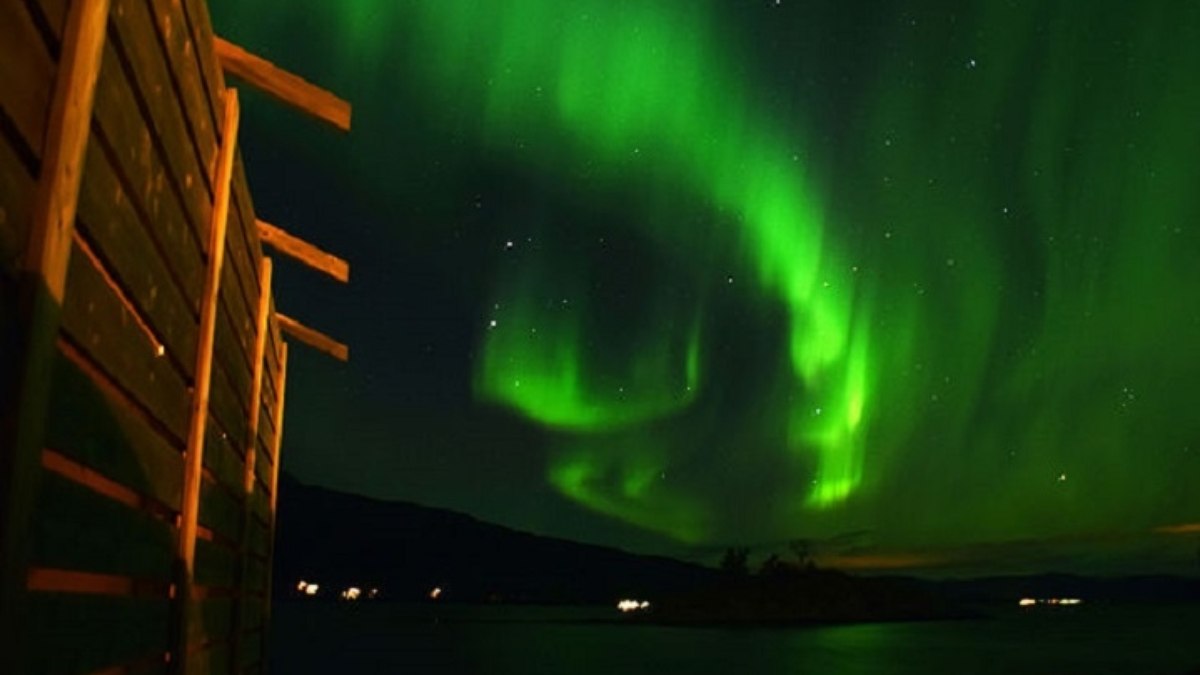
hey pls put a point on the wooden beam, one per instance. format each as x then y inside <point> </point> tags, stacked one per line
<point>295,247</point>
<point>27,360</point>
<point>277,461</point>
<point>291,89</point>
<point>313,338</point>
<point>67,133</point>
<point>194,467</point>
<point>280,388</point>
<point>194,459</point>
<point>260,352</point>
<point>262,327</point>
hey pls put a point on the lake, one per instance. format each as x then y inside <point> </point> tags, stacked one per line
<point>378,637</point>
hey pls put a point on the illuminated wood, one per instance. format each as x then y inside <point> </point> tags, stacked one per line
<point>256,381</point>
<point>27,363</point>
<point>262,331</point>
<point>96,481</point>
<point>276,460</point>
<point>276,463</point>
<point>295,247</point>
<point>291,89</point>
<point>70,581</point>
<point>185,613</point>
<point>313,338</point>
<point>66,141</point>
<point>208,320</point>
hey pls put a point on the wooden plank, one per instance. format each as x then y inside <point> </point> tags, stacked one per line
<point>276,345</point>
<point>27,71</point>
<point>239,339</point>
<point>216,565</point>
<point>54,13</point>
<point>184,66</point>
<point>215,621</point>
<point>78,528</point>
<point>185,142</point>
<point>110,221</point>
<point>73,633</point>
<point>225,406</point>
<point>86,248</point>
<point>303,251</point>
<point>109,434</point>
<point>210,658</point>
<point>193,472</point>
<point>277,459</point>
<point>251,452</point>
<point>146,66</point>
<point>313,338</point>
<point>266,430</point>
<point>199,27</point>
<point>252,651</point>
<point>66,137</point>
<point>264,469</point>
<point>45,259</point>
<point>222,458</point>
<point>55,580</point>
<point>287,87</point>
<point>260,538</point>
<point>128,141</point>
<point>240,289</point>
<point>256,576</point>
<point>220,512</point>
<point>245,206</point>
<point>151,64</point>
<point>260,506</point>
<point>254,616</point>
<point>100,327</point>
<point>204,351</point>
<point>16,206</point>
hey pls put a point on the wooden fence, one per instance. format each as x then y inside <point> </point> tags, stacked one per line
<point>142,364</point>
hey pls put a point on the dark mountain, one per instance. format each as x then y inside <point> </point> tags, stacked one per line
<point>1133,589</point>
<point>406,550</point>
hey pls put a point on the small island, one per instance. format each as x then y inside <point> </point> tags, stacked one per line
<point>797,592</point>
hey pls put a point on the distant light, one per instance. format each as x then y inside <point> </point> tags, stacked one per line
<point>351,593</point>
<point>1029,602</point>
<point>435,593</point>
<point>374,593</point>
<point>628,605</point>
<point>301,586</point>
<point>311,589</point>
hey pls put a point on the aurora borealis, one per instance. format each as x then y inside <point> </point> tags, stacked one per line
<point>638,271</point>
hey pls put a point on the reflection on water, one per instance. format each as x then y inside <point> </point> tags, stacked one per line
<point>383,638</point>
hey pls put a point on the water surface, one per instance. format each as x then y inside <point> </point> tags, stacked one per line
<point>392,638</point>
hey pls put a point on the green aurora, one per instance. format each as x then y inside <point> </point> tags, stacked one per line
<point>926,269</point>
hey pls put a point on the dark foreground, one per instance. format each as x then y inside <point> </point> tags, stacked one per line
<point>388,638</point>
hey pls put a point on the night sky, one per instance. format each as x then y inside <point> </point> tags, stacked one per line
<point>917,280</point>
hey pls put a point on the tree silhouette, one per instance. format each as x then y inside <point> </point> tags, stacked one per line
<point>775,566</point>
<point>803,550</point>
<point>734,561</point>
